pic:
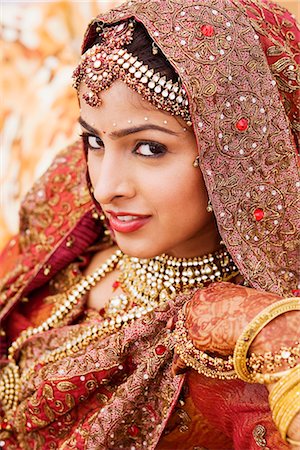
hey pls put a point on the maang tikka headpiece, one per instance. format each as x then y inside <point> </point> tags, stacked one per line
<point>109,60</point>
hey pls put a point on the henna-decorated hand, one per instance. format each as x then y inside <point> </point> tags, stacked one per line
<point>217,315</point>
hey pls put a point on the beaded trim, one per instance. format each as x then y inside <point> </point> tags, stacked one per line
<point>270,361</point>
<point>106,62</point>
<point>212,367</point>
<point>223,368</point>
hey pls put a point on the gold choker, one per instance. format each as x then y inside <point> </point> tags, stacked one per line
<point>149,281</point>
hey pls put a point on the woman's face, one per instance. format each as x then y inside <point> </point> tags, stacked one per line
<point>140,162</point>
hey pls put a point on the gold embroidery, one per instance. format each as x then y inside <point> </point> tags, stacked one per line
<point>259,434</point>
<point>64,386</point>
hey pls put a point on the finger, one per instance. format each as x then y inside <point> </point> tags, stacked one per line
<point>178,366</point>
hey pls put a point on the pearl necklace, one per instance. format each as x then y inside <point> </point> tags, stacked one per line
<point>146,282</point>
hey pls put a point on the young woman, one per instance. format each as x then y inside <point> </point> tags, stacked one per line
<point>158,307</point>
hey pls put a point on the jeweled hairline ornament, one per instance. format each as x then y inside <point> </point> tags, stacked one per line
<point>102,64</point>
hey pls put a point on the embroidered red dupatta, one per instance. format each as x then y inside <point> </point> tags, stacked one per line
<point>119,392</point>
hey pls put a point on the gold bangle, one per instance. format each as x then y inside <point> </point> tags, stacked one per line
<point>285,384</point>
<point>251,331</point>
<point>293,442</point>
<point>284,404</point>
<point>288,416</point>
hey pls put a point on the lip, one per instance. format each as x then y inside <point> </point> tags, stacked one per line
<point>129,226</point>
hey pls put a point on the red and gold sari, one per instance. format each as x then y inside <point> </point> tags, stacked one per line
<point>119,392</point>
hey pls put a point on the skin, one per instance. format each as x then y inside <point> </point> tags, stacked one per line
<point>216,317</point>
<point>166,187</point>
<point>124,178</point>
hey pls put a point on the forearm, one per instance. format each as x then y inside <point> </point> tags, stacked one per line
<point>293,431</point>
<point>280,334</point>
<point>219,317</point>
<point>281,331</point>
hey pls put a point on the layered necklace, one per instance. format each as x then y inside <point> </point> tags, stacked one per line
<point>146,284</point>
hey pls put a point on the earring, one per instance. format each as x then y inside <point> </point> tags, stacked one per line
<point>196,162</point>
<point>154,49</point>
<point>209,207</point>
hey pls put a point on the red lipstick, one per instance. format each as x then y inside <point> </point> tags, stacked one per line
<point>130,222</point>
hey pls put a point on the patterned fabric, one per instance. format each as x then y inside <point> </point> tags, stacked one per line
<point>242,77</point>
<point>119,392</point>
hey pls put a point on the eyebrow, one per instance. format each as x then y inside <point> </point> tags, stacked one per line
<point>127,131</point>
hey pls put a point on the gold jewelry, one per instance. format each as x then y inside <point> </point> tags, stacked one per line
<point>251,331</point>
<point>284,384</point>
<point>196,162</point>
<point>209,207</point>
<point>71,299</point>
<point>270,361</point>
<point>285,403</point>
<point>203,363</point>
<point>9,387</point>
<point>108,61</point>
<point>223,368</point>
<point>150,282</point>
<point>146,279</point>
<point>285,410</point>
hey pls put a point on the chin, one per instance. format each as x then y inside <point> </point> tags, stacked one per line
<point>138,249</point>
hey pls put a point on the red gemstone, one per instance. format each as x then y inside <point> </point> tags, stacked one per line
<point>116,284</point>
<point>75,272</point>
<point>133,430</point>
<point>296,292</point>
<point>259,214</point>
<point>207,30</point>
<point>160,350</point>
<point>242,124</point>
<point>102,312</point>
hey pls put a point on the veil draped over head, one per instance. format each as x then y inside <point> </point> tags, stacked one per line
<point>239,63</point>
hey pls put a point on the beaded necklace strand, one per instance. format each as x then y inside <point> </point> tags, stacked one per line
<point>147,282</point>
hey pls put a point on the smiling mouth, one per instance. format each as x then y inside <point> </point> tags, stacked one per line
<point>127,223</point>
<point>127,218</point>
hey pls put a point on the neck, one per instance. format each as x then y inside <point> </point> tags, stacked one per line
<point>206,242</point>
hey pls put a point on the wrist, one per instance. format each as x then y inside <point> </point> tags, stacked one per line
<point>294,429</point>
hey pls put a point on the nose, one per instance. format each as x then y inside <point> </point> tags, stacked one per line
<point>111,177</point>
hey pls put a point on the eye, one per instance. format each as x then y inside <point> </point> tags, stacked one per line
<point>92,142</point>
<point>150,149</point>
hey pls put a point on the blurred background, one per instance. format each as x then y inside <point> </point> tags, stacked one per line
<point>40,46</point>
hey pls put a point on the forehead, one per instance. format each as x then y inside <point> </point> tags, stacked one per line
<point>122,102</point>
<point>115,95</point>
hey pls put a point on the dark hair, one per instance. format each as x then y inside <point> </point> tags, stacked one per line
<point>141,46</point>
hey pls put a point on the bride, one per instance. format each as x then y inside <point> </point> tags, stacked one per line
<point>151,299</point>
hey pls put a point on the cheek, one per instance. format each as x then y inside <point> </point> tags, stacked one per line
<point>184,195</point>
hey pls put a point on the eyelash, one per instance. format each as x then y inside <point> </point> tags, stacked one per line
<point>154,146</point>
